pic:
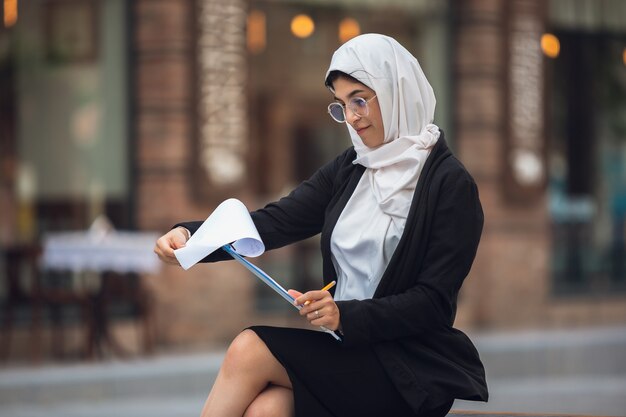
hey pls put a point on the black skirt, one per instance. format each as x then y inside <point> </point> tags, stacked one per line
<point>333,381</point>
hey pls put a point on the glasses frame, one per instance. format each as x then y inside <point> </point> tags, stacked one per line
<point>352,106</point>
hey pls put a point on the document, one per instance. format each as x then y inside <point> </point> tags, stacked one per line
<point>229,223</point>
<point>231,228</point>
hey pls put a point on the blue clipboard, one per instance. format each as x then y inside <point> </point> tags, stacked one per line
<point>270,282</point>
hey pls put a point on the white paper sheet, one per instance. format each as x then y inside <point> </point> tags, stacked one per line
<point>230,222</point>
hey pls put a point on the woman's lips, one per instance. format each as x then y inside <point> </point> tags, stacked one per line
<point>359,131</point>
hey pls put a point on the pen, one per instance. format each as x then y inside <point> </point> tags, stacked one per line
<point>326,288</point>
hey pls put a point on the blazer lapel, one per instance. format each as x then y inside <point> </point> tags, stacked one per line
<point>405,252</point>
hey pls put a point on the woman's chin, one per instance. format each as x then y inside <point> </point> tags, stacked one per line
<point>372,144</point>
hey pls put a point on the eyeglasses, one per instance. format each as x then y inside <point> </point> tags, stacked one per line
<point>357,105</point>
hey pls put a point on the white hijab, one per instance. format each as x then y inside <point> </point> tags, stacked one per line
<point>407,103</point>
<point>371,225</point>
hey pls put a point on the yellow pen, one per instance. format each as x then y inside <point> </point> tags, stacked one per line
<point>326,288</point>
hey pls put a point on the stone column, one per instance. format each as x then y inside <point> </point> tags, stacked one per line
<point>220,165</point>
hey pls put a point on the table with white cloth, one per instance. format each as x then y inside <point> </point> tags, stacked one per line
<point>108,266</point>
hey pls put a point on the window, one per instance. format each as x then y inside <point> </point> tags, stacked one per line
<point>71,118</point>
<point>587,187</point>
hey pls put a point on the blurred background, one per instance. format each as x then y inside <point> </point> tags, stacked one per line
<point>120,118</point>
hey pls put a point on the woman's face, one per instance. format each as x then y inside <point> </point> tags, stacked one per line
<point>370,126</point>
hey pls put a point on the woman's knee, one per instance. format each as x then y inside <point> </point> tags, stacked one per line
<point>244,351</point>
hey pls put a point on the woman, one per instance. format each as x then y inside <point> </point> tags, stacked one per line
<point>400,221</point>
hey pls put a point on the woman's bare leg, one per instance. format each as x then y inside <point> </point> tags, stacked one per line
<point>249,368</point>
<point>274,401</point>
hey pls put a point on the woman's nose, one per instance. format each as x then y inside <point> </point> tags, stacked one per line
<point>351,116</point>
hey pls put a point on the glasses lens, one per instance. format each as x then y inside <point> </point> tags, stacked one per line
<point>336,112</point>
<point>358,106</point>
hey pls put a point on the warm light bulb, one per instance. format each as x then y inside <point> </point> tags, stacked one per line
<point>10,13</point>
<point>348,29</point>
<point>302,26</point>
<point>550,45</point>
<point>256,36</point>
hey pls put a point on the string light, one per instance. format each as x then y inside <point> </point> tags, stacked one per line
<point>550,45</point>
<point>348,29</point>
<point>302,26</point>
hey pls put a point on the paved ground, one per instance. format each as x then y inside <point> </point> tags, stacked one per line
<point>161,386</point>
<point>576,372</point>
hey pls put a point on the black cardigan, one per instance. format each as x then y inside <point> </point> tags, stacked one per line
<point>409,320</point>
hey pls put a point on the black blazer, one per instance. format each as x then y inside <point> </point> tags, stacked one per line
<point>409,320</point>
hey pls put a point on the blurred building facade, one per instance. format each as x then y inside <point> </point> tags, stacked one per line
<point>154,111</point>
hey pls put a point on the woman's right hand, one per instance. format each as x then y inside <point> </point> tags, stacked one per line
<point>165,245</point>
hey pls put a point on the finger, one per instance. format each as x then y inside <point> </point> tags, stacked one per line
<point>307,309</point>
<point>330,321</point>
<point>294,293</point>
<point>325,307</point>
<point>302,299</point>
<point>163,249</point>
<point>178,239</point>
<point>158,249</point>
<point>314,300</point>
<point>165,252</point>
<point>312,296</point>
<point>315,315</point>
<point>327,321</point>
<point>320,308</point>
<point>305,302</point>
<point>169,259</point>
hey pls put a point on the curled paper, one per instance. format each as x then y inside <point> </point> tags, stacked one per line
<point>229,223</point>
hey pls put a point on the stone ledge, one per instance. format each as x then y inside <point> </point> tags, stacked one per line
<point>463,413</point>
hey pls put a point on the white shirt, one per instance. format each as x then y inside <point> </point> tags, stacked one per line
<point>358,253</point>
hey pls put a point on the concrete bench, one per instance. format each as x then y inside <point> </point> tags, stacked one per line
<point>461,413</point>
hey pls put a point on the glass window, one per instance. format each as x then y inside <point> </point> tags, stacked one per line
<point>587,115</point>
<point>71,123</point>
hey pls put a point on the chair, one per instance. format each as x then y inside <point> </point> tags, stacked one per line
<point>19,266</point>
<point>122,294</point>
<point>26,292</point>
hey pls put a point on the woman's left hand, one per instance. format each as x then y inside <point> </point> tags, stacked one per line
<point>321,309</point>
